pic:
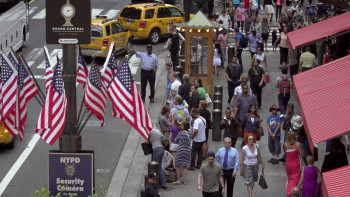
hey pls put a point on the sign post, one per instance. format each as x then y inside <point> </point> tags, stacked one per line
<point>68,22</point>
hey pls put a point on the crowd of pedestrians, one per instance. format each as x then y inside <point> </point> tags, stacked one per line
<point>185,122</point>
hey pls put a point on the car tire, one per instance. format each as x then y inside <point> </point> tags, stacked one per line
<point>11,145</point>
<point>154,36</point>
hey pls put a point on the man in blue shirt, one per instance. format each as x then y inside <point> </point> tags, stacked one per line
<point>239,47</point>
<point>228,158</point>
<point>254,39</point>
<point>274,141</point>
<point>149,65</point>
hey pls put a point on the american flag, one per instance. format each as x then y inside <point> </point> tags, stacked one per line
<point>48,65</point>
<point>82,69</point>
<point>9,86</point>
<point>95,93</point>
<point>111,69</point>
<point>52,119</point>
<point>27,90</point>
<point>126,101</point>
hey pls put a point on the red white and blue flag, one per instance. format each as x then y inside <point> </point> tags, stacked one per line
<point>111,69</point>
<point>96,93</point>
<point>52,119</point>
<point>82,69</point>
<point>127,101</point>
<point>15,122</point>
<point>9,87</point>
<point>48,67</point>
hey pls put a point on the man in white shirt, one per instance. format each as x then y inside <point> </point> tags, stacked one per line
<point>175,83</point>
<point>239,90</point>
<point>198,139</point>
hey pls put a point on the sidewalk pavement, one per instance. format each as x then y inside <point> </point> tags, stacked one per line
<point>128,178</point>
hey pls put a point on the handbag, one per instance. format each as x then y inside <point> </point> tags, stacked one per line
<point>207,98</point>
<point>262,181</point>
<point>147,148</point>
<point>267,78</point>
<point>261,131</point>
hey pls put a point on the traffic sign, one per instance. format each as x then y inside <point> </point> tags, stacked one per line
<point>68,22</point>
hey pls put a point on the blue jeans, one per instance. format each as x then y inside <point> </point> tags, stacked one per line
<point>158,157</point>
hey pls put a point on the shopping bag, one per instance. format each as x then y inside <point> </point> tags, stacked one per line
<point>267,78</point>
<point>147,148</point>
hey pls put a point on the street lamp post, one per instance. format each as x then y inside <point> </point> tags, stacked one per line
<point>70,141</point>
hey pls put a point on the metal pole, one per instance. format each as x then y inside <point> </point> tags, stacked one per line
<point>70,140</point>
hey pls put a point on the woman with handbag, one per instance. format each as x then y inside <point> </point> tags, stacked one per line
<point>156,139</point>
<point>293,150</point>
<point>256,75</point>
<point>183,159</point>
<point>250,160</point>
<point>251,122</point>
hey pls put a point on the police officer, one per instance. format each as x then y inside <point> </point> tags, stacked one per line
<point>149,65</point>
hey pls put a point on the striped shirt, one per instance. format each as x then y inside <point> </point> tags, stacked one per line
<point>148,62</point>
<point>307,60</point>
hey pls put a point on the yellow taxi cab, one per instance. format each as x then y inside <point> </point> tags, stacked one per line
<point>5,137</point>
<point>104,31</point>
<point>150,20</point>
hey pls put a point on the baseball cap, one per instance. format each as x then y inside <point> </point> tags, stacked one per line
<point>152,175</point>
<point>179,118</point>
<point>211,154</point>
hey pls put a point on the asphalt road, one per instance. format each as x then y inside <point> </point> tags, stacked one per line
<point>107,142</point>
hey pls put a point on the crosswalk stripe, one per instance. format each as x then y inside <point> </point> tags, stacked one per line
<point>40,15</point>
<point>112,13</point>
<point>33,55</point>
<point>95,11</point>
<point>32,10</point>
<point>53,54</point>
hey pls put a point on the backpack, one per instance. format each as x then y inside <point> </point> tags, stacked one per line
<point>182,113</point>
<point>311,11</point>
<point>264,29</point>
<point>244,41</point>
<point>285,85</point>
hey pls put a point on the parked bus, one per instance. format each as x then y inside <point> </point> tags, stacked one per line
<point>14,26</point>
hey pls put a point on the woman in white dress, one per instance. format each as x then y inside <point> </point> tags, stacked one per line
<point>269,9</point>
<point>262,57</point>
<point>217,59</point>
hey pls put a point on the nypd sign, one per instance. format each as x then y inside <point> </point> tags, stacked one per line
<point>71,174</point>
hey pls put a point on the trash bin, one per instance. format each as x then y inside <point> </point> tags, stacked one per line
<point>216,136</point>
<point>230,53</point>
<point>153,167</point>
<point>218,88</point>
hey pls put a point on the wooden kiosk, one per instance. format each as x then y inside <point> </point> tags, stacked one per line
<point>199,49</point>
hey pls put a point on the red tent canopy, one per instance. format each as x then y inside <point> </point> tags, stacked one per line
<point>319,30</point>
<point>323,94</point>
<point>336,182</point>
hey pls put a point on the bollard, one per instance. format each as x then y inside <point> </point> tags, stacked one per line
<point>216,136</point>
<point>153,167</point>
<point>230,53</point>
<point>218,88</point>
<point>217,105</point>
<point>218,96</point>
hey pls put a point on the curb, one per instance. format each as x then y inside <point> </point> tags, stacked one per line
<point>132,165</point>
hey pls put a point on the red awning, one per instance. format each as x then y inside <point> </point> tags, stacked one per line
<point>319,30</point>
<point>336,182</point>
<point>323,94</point>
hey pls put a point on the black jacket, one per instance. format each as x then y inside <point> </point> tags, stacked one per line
<point>334,160</point>
<point>230,129</point>
<point>184,91</point>
<point>194,101</point>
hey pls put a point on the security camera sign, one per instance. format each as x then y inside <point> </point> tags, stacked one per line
<point>71,174</point>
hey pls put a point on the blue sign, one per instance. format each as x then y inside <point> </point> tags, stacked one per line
<point>71,174</point>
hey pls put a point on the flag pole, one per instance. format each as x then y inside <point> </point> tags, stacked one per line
<point>80,128</point>
<point>81,108</point>
<point>41,94</point>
